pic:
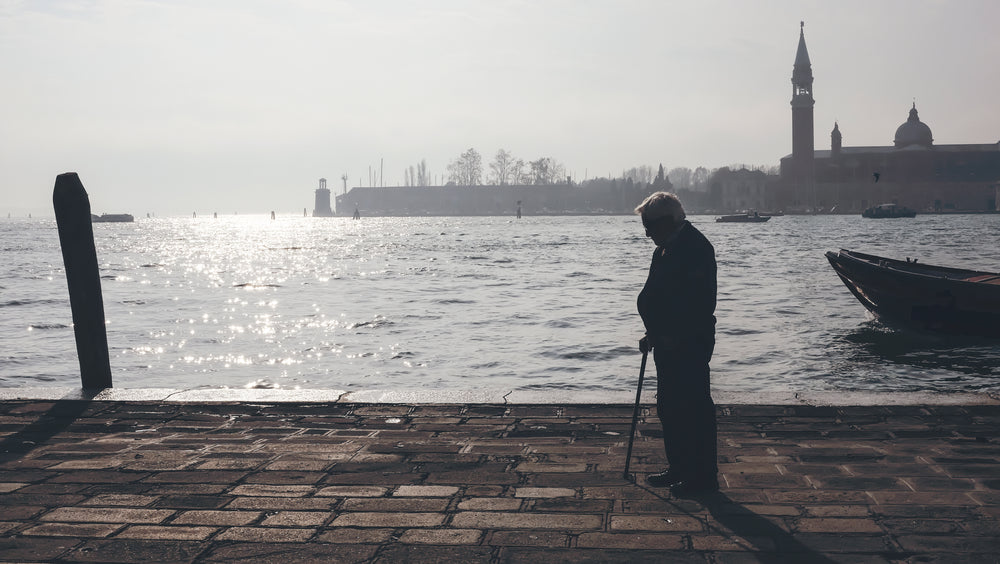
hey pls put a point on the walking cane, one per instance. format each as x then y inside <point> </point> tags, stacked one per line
<point>635,415</point>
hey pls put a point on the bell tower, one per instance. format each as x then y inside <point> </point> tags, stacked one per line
<point>803,141</point>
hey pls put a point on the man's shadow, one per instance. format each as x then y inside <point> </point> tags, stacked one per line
<point>768,542</point>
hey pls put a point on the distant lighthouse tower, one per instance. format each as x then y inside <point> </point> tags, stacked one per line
<point>322,208</point>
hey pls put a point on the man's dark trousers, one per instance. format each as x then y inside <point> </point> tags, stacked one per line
<point>686,411</point>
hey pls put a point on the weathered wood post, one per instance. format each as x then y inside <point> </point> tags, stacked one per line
<point>76,237</point>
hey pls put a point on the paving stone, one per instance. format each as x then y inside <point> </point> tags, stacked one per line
<point>169,532</point>
<point>572,505</point>
<point>838,511</point>
<point>284,503</point>
<point>350,535</point>
<point>126,500</point>
<point>838,525</point>
<point>528,538</point>
<point>379,519</point>
<point>353,491</point>
<point>729,543</point>
<point>951,544</point>
<point>420,554</point>
<point>373,478</point>
<point>525,555</point>
<point>99,477</point>
<point>106,515</point>
<point>218,518</point>
<point>655,523</point>
<point>267,553</point>
<point>70,530</point>
<point>17,512</point>
<point>441,536</point>
<point>136,550</point>
<point>526,467</point>
<point>284,477</point>
<point>35,549</point>
<point>300,465</point>
<point>425,491</point>
<point>197,477</point>
<point>296,519</point>
<point>269,490</point>
<point>632,541</point>
<point>415,504</point>
<point>544,492</point>
<point>265,535</point>
<point>192,501</point>
<point>490,504</point>
<point>901,527</point>
<point>542,521</point>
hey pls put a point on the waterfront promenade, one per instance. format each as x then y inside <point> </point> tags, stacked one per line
<point>266,476</point>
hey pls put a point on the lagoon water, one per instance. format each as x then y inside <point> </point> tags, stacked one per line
<point>543,303</point>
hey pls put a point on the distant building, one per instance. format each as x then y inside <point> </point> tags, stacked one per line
<point>322,205</point>
<point>608,197</point>
<point>742,189</point>
<point>913,171</point>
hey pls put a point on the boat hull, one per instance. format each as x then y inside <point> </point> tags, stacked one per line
<point>888,211</point>
<point>112,218</point>
<point>927,297</point>
<point>742,218</point>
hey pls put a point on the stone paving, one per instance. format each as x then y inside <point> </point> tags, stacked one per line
<point>115,481</point>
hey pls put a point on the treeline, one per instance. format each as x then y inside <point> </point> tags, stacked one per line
<point>505,169</point>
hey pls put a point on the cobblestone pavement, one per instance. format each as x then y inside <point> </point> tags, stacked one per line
<point>84,481</point>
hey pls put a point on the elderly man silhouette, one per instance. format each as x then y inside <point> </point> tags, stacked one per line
<point>677,306</point>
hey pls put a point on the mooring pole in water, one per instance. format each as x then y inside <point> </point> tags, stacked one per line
<point>76,237</point>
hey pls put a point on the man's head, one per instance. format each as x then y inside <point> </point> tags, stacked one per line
<point>662,213</point>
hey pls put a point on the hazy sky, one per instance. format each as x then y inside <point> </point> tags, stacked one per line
<point>241,106</point>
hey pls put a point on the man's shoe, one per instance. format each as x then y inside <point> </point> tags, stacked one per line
<point>665,479</point>
<point>692,488</point>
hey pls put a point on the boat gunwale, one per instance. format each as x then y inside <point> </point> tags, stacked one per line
<point>922,271</point>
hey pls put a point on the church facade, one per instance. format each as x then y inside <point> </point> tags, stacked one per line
<point>913,171</point>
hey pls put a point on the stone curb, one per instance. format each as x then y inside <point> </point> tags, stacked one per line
<point>489,397</point>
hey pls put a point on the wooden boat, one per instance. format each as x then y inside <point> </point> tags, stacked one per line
<point>112,218</point>
<point>748,217</point>
<point>936,298</point>
<point>888,211</point>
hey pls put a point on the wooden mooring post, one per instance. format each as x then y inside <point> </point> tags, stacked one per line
<point>76,237</point>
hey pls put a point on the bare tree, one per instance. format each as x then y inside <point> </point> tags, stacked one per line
<point>680,177</point>
<point>423,179</point>
<point>546,170</point>
<point>639,174</point>
<point>518,174</point>
<point>467,170</point>
<point>699,179</point>
<point>502,168</point>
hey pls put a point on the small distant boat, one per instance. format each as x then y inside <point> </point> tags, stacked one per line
<point>884,211</point>
<point>936,298</point>
<point>748,217</point>
<point>112,218</point>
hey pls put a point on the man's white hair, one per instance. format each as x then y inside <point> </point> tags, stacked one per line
<point>661,204</point>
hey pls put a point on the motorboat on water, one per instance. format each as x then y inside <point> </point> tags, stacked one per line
<point>112,218</point>
<point>936,298</point>
<point>746,217</point>
<point>887,211</point>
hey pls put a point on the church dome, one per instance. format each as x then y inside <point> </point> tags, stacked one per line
<point>913,132</point>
